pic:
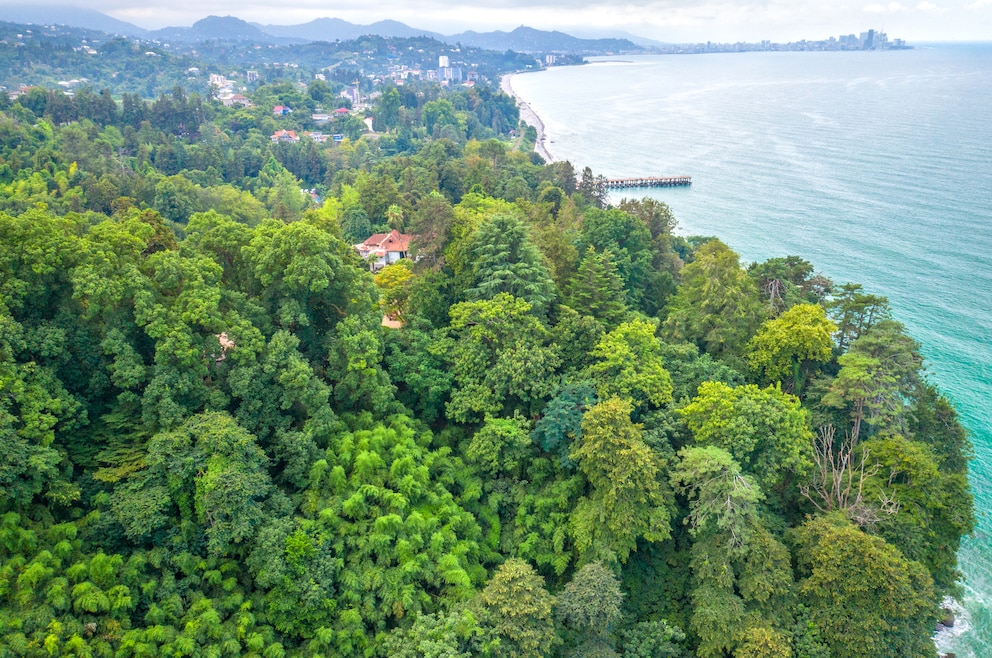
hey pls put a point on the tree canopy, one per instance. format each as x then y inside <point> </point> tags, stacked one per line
<point>553,428</point>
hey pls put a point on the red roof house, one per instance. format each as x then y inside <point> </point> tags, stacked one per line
<point>285,136</point>
<point>384,249</point>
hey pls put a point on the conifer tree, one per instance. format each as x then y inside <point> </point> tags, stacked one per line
<point>506,261</point>
<point>597,290</point>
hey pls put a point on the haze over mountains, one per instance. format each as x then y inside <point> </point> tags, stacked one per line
<point>522,39</point>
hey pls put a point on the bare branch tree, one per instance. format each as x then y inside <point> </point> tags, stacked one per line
<point>839,479</point>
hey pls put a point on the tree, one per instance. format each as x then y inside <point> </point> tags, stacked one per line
<point>857,388</point>
<point>855,312</point>
<point>629,366</point>
<point>765,430</point>
<point>741,573</point>
<point>596,289</point>
<point>209,469</point>
<point>628,241</point>
<point>394,283</point>
<point>387,112</point>
<point>431,226</point>
<point>355,225</point>
<point>176,199</point>
<point>519,611</point>
<point>929,510</point>
<point>437,114</point>
<point>628,500</point>
<point>654,639</point>
<point>501,445</point>
<point>785,282</point>
<point>840,475</point>
<point>33,407</point>
<point>382,504</point>
<point>716,305</point>
<point>763,642</point>
<point>505,261</point>
<point>561,420</point>
<point>878,375</point>
<point>456,634</point>
<point>788,345</point>
<point>499,358</point>
<point>589,604</point>
<point>865,598</point>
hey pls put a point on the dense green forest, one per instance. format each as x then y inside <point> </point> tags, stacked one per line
<point>591,436</point>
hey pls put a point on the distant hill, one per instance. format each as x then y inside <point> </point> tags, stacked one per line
<point>72,16</point>
<point>528,40</point>
<point>332,29</point>
<point>227,28</point>
<point>590,33</point>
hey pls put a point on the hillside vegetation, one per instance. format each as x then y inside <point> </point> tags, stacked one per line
<point>591,436</point>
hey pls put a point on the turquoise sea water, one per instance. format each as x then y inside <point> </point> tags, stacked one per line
<point>875,166</point>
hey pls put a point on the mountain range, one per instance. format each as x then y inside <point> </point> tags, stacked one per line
<point>523,39</point>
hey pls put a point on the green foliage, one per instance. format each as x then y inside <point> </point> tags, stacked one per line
<point>590,603</point>
<point>934,508</point>
<point>210,469</point>
<point>716,306</point>
<point>786,282</point>
<point>501,445</point>
<point>788,345</point>
<point>504,261</point>
<point>214,448</point>
<point>561,421</point>
<point>629,366</point>
<point>654,639</point>
<point>355,225</point>
<point>741,573</point>
<point>597,289</point>
<point>628,241</point>
<point>498,357</point>
<point>865,597</point>
<point>855,312</point>
<point>765,430</point>
<point>518,611</point>
<point>452,635</point>
<point>628,500</point>
<point>878,375</point>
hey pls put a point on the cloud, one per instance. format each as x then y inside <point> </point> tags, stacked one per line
<point>891,8</point>
<point>979,4</point>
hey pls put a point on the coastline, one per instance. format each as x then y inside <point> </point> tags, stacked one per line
<point>528,116</point>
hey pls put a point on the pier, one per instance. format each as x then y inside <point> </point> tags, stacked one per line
<point>647,181</point>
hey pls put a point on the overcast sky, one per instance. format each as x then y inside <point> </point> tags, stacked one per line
<point>665,20</point>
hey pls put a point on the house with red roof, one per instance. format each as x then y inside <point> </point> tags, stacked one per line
<point>288,136</point>
<point>384,249</point>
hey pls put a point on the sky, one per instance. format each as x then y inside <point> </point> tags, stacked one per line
<point>664,20</point>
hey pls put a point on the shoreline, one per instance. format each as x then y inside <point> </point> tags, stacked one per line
<point>528,116</point>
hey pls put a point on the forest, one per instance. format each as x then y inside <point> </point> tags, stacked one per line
<point>582,434</point>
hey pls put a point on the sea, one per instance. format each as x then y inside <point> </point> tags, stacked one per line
<point>875,166</point>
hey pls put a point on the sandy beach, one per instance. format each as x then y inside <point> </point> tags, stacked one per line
<point>528,116</point>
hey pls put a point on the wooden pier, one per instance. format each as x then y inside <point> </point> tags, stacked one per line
<point>647,181</point>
